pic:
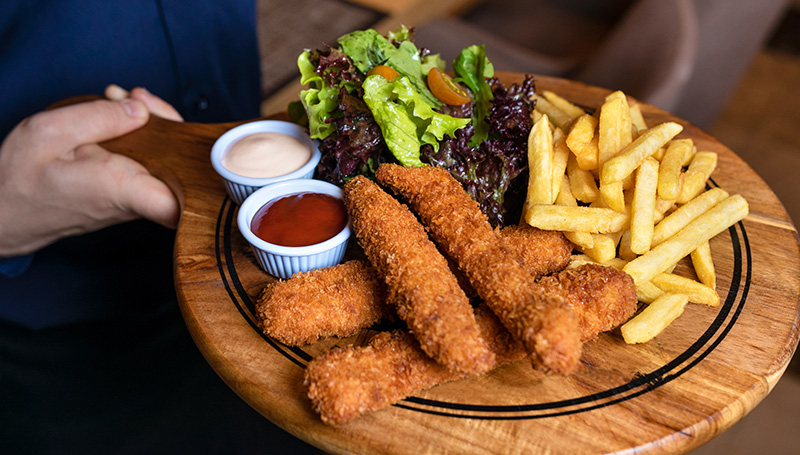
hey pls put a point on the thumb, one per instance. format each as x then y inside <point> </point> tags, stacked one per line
<point>90,122</point>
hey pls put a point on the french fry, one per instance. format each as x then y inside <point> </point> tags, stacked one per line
<point>561,155</point>
<point>647,292</point>
<point>646,206</point>
<point>565,197</point>
<point>659,259</point>
<point>625,251</point>
<point>686,213</point>
<point>616,236</point>
<point>643,206</point>
<point>540,165</point>
<point>617,263</point>
<point>581,240</point>
<point>654,318</point>
<point>563,105</point>
<point>582,141</point>
<point>616,95</point>
<point>629,182</point>
<point>604,248</point>
<point>558,117</point>
<point>637,120</point>
<point>669,182</point>
<point>581,182</point>
<point>696,291</point>
<point>700,169</point>
<point>689,156</point>
<point>596,220</point>
<point>704,265</point>
<point>659,154</point>
<point>613,195</point>
<point>662,207</point>
<point>614,128</point>
<point>624,163</point>
<point>577,260</point>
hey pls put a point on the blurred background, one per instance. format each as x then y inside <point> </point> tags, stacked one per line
<point>731,67</point>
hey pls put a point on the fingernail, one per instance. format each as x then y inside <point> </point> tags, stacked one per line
<point>115,92</point>
<point>135,109</point>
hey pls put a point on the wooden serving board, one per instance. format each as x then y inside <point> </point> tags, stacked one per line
<point>696,379</point>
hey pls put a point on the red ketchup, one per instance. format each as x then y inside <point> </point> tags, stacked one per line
<point>300,219</point>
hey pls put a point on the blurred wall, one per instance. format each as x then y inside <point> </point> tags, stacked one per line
<point>730,34</point>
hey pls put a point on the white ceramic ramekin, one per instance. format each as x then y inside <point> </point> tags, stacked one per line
<point>284,261</point>
<point>239,186</point>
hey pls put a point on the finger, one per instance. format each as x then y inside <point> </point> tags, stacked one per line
<point>156,105</point>
<point>127,186</point>
<point>69,127</point>
<point>116,93</point>
<point>151,198</point>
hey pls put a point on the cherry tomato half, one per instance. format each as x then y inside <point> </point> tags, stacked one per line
<point>446,89</point>
<point>387,72</point>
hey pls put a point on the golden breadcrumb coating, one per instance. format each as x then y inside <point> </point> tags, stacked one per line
<point>350,381</point>
<point>334,301</point>
<point>540,252</point>
<point>419,282</point>
<point>547,329</point>
<point>601,296</point>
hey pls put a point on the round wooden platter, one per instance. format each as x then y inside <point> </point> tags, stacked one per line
<point>686,386</point>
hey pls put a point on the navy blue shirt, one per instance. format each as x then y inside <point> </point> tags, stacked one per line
<point>198,56</point>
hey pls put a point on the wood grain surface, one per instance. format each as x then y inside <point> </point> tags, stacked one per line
<point>695,380</point>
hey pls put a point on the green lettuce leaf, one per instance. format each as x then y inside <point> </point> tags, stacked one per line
<point>401,34</point>
<point>368,48</point>
<point>433,61</point>
<point>319,100</point>
<point>472,67</point>
<point>407,122</point>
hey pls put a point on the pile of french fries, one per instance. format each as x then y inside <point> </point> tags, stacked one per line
<point>631,196</point>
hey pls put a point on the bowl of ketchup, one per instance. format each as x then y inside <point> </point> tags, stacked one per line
<point>263,152</point>
<point>295,226</point>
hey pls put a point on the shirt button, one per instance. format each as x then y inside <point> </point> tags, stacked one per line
<point>200,103</point>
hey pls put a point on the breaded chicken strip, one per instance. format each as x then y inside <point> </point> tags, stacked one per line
<point>540,252</point>
<point>350,381</point>
<point>601,296</point>
<point>341,300</point>
<point>334,301</point>
<point>418,280</point>
<point>542,323</point>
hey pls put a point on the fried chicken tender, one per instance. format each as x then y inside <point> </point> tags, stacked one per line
<point>540,252</point>
<point>347,382</point>
<point>334,301</point>
<point>601,296</point>
<point>543,323</point>
<point>350,381</point>
<point>343,299</point>
<point>418,280</point>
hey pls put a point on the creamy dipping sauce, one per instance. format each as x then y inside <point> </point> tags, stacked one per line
<point>266,155</point>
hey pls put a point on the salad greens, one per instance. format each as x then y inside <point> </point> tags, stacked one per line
<point>406,120</point>
<point>473,68</point>
<point>368,48</point>
<point>364,120</point>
